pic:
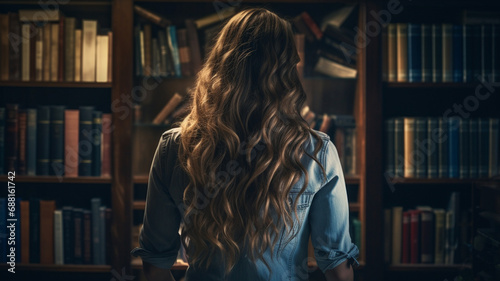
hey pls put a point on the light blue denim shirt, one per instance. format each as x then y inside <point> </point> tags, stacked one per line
<point>323,214</point>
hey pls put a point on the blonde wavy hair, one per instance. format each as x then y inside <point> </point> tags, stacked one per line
<point>242,142</point>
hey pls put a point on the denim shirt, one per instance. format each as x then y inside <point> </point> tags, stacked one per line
<point>323,214</point>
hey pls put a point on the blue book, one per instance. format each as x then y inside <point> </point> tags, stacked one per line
<point>437,53</point>
<point>453,149</point>
<point>31,142</point>
<point>96,143</point>
<point>457,53</point>
<point>3,230</point>
<point>414,52</point>
<point>172,41</point>
<point>95,204</point>
<point>2,140</point>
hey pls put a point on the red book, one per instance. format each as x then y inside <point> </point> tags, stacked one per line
<point>21,158</point>
<point>312,25</point>
<point>106,145</point>
<point>47,208</point>
<point>427,237</point>
<point>25,231</point>
<point>405,255</point>
<point>60,60</point>
<point>71,133</point>
<point>415,236</point>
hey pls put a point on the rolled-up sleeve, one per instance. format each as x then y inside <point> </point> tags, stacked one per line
<point>159,237</point>
<point>329,217</point>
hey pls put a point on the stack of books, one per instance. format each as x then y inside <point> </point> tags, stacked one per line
<point>53,140</point>
<point>39,45</point>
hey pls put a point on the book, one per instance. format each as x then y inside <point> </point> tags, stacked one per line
<point>486,51</point>
<point>4,46</point>
<point>21,156</point>
<point>496,55</point>
<point>14,48</point>
<point>69,49</point>
<point>420,155</point>
<point>89,38</point>
<point>102,235</point>
<point>56,140</point>
<point>58,238</point>
<point>467,58</point>
<point>474,144</point>
<point>43,141</point>
<point>168,108</point>
<point>443,170</point>
<point>68,235</point>
<point>71,135</point>
<point>96,142</point>
<point>95,203</point>
<point>31,135</point>
<point>147,50</point>
<point>107,128</point>
<point>334,69</point>
<point>477,51</point>
<point>162,45</point>
<point>387,235</point>
<point>214,18</point>
<point>427,236</point>
<point>172,43</point>
<point>453,148</point>
<point>138,51</point>
<point>34,15</point>
<point>392,52</point>
<point>26,44</point>
<point>483,147</point>
<point>61,48</point>
<point>46,55</point>
<point>78,236</point>
<point>464,149</point>
<point>402,51</point>
<point>54,52</point>
<point>85,139</point>
<point>47,208</point>
<point>399,147</point>
<point>397,220</point>
<point>39,52</point>
<point>452,219</point>
<point>194,46</point>
<point>102,54</point>
<point>25,230</point>
<point>151,16</point>
<point>447,52</point>
<point>110,56</point>
<point>34,247</point>
<point>457,45</point>
<point>87,237</point>
<point>414,52</point>
<point>493,147</point>
<point>406,242</point>
<point>409,147</point>
<point>78,55</point>
<point>437,53</point>
<point>432,149</point>
<point>415,236</point>
<point>440,235</point>
<point>12,136</point>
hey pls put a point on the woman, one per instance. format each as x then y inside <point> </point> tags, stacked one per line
<point>247,176</point>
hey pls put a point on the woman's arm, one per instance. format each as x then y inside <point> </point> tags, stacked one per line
<point>343,272</point>
<point>154,273</point>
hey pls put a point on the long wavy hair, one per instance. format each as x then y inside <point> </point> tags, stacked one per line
<point>242,142</point>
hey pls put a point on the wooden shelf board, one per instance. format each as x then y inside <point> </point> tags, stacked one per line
<point>352,179</point>
<point>429,267</point>
<point>251,1</point>
<point>137,264</point>
<point>429,85</point>
<point>141,179</point>
<point>46,84</point>
<point>402,181</point>
<point>139,204</point>
<point>59,268</point>
<point>55,179</point>
<point>354,207</point>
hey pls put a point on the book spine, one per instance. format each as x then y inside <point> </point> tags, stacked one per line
<point>68,235</point>
<point>58,238</point>
<point>32,51</point>
<point>437,53</point>
<point>464,148</point>
<point>78,235</point>
<point>96,143</point>
<point>402,52</point>
<point>432,149</point>
<point>85,141</point>
<point>137,49</point>
<point>69,49</point>
<point>184,52</point>
<point>14,49</point>
<point>493,148</point>
<point>147,49</point>
<point>110,56</point>
<point>414,52</point>
<point>312,25</point>
<point>71,132</point>
<point>405,255</point>
<point>476,51</point>
<point>392,52</point>
<point>107,128</point>
<point>89,37</point>
<point>483,158</point>
<point>87,237</point>
<point>443,149</point>
<point>399,147</point>
<point>54,52</point>
<point>2,140</point>
<point>34,231</point>
<point>175,50</point>
<point>426,44</point>
<point>446,52</point>
<point>397,220</point>
<point>458,68</point>
<point>194,46</point>
<point>108,222</point>
<point>486,51</point>
<point>61,42</point>
<point>47,208</point>
<point>46,56</point>
<point>39,51</point>
<point>466,53</point>
<point>409,147</point>
<point>390,147</point>
<point>387,235</point>
<point>453,148</point>
<point>57,140</point>
<point>25,231</point>
<point>102,235</point>
<point>4,47</point>
<point>102,55</point>
<point>427,237</point>
<point>43,140</point>
<point>95,203</point>
<point>78,55</point>
<point>21,157</point>
<point>496,55</point>
<point>162,43</point>
<point>415,236</point>
<point>12,137</point>
<point>26,43</point>
<point>440,235</point>
<point>474,148</point>
<point>420,154</point>
<point>31,135</point>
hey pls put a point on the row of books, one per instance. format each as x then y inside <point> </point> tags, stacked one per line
<point>428,147</point>
<point>40,45</point>
<point>167,50</point>
<point>47,235</point>
<point>441,52</point>
<point>342,132</point>
<point>174,111</point>
<point>427,235</point>
<point>53,140</point>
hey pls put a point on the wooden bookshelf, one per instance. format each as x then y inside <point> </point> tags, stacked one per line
<point>43,84</point>
<point>454,181</point>
<point>421,85</point>
<point>82,268</point>
<point>55,179</point>
<point>428,267</point>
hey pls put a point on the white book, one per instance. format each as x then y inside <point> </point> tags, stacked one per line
<point>58,238</point>
<point>89,38</point>
<point>397,226</point>
<point>26,52</point>
<point>78,55</point>
<point>102,59</point>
